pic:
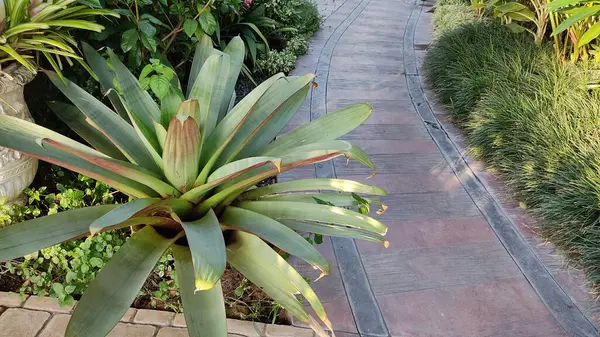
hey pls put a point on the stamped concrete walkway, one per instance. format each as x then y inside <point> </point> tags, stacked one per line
<point>462,261</point>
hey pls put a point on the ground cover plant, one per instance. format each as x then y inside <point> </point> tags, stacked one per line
<point>534,119</point>
<point>191,167</point>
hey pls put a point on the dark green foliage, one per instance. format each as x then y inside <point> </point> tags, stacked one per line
<point>467,61</point>
<point>534,120</point>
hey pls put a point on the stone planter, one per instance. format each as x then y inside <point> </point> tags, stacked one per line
<point>16,170</point>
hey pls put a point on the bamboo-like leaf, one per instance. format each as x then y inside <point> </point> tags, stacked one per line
<point>583,13</point>
<point>137,100</point>
<point>289,210</point>
<point>209,90</point>
<point>17,57</point>
<point>76,120</point>
<point>266,269</point>
<point>110,124</point>
<point>590,34</point>
<point>207,246</point>
<point>204,311</point>
<point>115,287</point>
<point>51,42</point>
<point>328,127</point>
<point>78,24</point>
<point>25,27</point>
<point>236,51</point>
<point>225,131</point>
<point>30,236</point>
<point>555,4</point>
<point>204,49</point>
<point>16,12</point>
<point>275,233</point>
<point>106,78</point>
<point>181,153</point>
<point>341,185</point>
<point>120,214</point>
<point>228,172</point>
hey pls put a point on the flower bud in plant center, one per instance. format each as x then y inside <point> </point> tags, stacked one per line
<point>181,153</point>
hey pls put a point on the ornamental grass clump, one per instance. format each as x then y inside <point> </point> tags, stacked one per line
<point>191,167</point>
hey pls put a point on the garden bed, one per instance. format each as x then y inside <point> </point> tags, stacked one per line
<point>530,116</point>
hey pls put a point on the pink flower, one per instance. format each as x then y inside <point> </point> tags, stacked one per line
<point>247,3</point>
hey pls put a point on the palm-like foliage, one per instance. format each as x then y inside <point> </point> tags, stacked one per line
<point>191,168</point>
<point>30,27</point>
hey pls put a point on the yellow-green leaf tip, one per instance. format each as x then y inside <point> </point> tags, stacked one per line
<point>202,285</point>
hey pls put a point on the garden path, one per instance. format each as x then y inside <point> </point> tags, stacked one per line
<point>462,261</point>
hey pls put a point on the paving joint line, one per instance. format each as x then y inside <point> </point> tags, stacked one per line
<point>566,313</point>
<point>366,313</point>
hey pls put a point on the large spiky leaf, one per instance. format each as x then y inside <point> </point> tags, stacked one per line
<point>328,127</point>
<point>110,124</point>
<point>115,287</point>
<point>32,235</point>
<point>289,210</point>
<point>275,233</point>
<point>227,193</point>
<point>204,49</point>
<point>225,131</point>
<point>228,172</point>
<point>336,199</point>
<point>120,214</point>
<point>181,153</point>
<point>207,245</point>
<point>270,115</point>
<point>76,120</point>
<point>350,151</point>
<point>105,77</point>
<point>313,184</point>
<point>204,310</point>
<point>265,268</point>
<point>209,90</point>
<point>119,168</point>
<point>335,230</point>
<point>36,141</point>
<point>236,51</point>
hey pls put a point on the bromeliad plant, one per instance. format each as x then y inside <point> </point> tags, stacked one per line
<point>32,27</point>
<point>191,168</point>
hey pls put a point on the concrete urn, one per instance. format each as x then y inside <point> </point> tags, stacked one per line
<point>16,169</point>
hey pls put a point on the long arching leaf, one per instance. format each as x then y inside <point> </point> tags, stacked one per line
<point>32,235</point>
<point>204,310</point>
<point>115,287</point>
<point>328,127</point>
<point>275,233</point>
<point>289,210</point>
<point>313,184</point>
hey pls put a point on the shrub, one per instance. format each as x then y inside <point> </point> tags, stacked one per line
<point>451,16</point>
<point>467,61</point>
<point>277,61</point>
<point>534,120</point>
<point>297,45</point>
<point>300,15</point>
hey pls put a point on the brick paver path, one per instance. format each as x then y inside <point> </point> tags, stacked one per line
<point>446,273</point>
